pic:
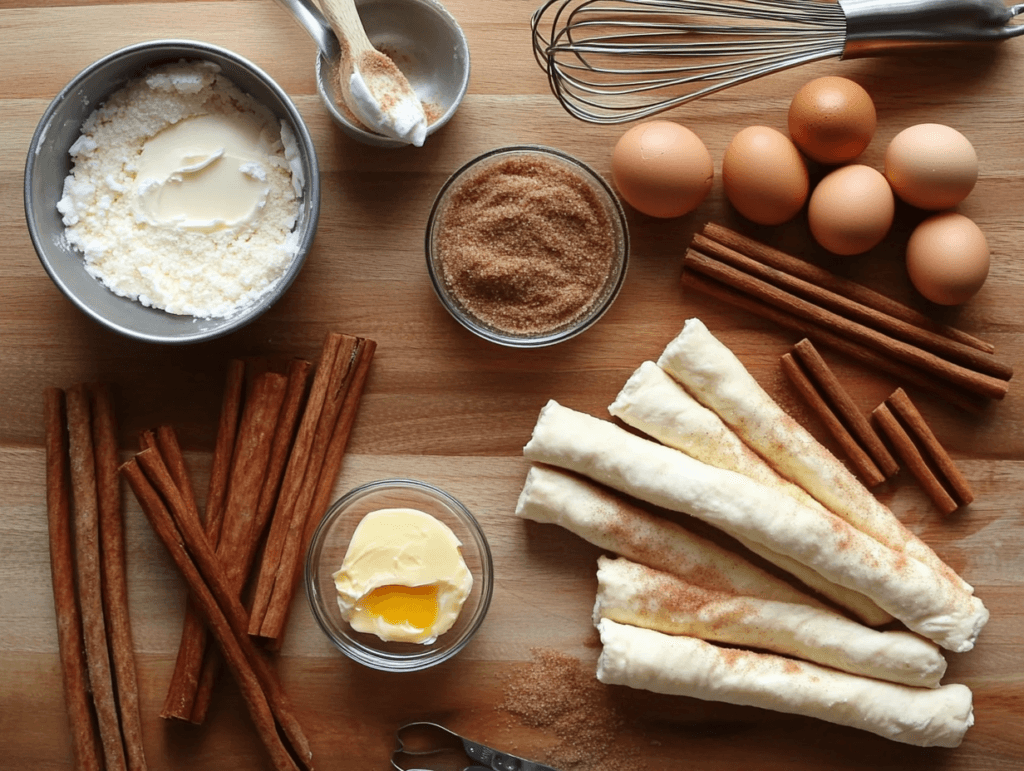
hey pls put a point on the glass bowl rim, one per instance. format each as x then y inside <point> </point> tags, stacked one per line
<point>379,660</point>
<point>618,215</point>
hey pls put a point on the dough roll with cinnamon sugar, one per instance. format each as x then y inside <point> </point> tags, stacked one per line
<point>653,402</point>
<point>685,666</point>
<point>630,593</point>
<point>911,591</point>
<point>606,520</point>
<point>719,381</point>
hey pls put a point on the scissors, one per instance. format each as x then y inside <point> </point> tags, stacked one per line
<point>449,752</point>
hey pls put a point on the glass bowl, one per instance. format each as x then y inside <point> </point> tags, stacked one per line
<point>598,196</point>
<point>327,552</point>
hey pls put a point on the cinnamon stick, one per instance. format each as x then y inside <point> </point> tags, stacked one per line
<point>870,358</point>
<point>85,741</point>
<point>248,466</point>
<point>838,286</point>
<point>913,459</point>
<point>916,425</point>
<point>353,382</point>
<point>283,435</point>
<point>215,579</point>
<point>114,578</point>
<point>87,563</point>
<point>866,467</point>
<point>224,447</point>
<point>295,475</point>
<point>927,362</point>
<point>840,399</point>
<point>208,605</point>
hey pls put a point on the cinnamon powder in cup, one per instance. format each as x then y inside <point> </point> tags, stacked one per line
<point>526,244</point>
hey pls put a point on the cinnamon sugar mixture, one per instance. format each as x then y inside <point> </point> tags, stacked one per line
<point>525,245</point>
<point>556,692</point>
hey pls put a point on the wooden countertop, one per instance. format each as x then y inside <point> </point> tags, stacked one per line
<point>448,408</point>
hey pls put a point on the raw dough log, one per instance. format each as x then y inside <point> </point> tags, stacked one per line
<point>684,666</point>
<point>635,594</point>
<point>909,590</point>
<point>653,402</point>
<point>606,520</point>
<point>717,379</point>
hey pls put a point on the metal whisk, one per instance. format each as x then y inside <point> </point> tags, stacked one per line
<point>613,61</point>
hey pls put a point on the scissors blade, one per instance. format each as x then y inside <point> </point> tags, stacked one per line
<point>494,760</point>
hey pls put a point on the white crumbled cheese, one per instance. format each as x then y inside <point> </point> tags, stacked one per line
<point>200,263</point>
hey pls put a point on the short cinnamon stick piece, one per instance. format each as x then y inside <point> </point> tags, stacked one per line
<point>913,459</point>
<point>838,285</point>
<point>207,606</point>
<point>351,390</point>
<point>866,468</point>
<point>929,363</point>
<point>916,425</point>
<point>87,563</point>
<point>860,353</point>
<point>114,573</point>
<point>85,741</point>
<point>827,382</point>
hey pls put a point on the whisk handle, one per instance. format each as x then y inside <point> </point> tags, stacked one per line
<point>881,26</point>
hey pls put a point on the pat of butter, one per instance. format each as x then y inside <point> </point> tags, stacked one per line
<point>205,173</point>
<point>403,577</point>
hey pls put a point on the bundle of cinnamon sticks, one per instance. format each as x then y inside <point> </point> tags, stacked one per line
<point>87,558</point>
<point>846,316</point>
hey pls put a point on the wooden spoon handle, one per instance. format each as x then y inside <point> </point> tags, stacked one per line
<point>345,21</point>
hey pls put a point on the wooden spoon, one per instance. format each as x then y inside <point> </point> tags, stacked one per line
<point>370,83</point>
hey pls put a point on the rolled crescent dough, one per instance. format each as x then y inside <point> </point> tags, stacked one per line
<point>685,666</point>
<point>635,594</point>
<point>653,402</point>
<point>716,378</point>
<point>910,590</point>
<point>606,520</point>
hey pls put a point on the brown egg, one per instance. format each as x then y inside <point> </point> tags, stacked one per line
<point>851,210</point>
<point>832,119</point>
<point>662,168</point>
<point>931,166</point>
<point>765,176</point>
<point>947,258</point>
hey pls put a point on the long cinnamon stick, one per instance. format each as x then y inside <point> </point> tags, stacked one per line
<point>866,468</point>
<point>290,565</point>
<point>206,604</point>
<point>297,375</point>
<point>913,459</point>
<point>85,741</point>
<point>870,358</point>
<point>215,578</point>
<point>113,571</point>
<point>840,399</point>
<point>294,476</point>
<point>838,285</point>
<point>969,380</point>
<point>916,425</point>
<point>224,447</point>
<point>87,562</point>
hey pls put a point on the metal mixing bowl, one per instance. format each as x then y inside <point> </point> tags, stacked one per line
<point>421,37</point>
<point>49,163</point>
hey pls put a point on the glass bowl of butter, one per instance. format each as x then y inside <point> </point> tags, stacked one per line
<point>399,575</point>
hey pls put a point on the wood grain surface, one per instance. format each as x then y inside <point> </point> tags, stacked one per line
<point>445,407</point>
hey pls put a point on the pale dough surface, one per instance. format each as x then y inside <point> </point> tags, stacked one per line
<point>631,593</point>
<point>909,590</point>
<point>606,520</point>
<point>653,402</point>
<point>716,378</point>
<point>685,666</point>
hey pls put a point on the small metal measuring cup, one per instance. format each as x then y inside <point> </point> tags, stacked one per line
<point>423,39</point>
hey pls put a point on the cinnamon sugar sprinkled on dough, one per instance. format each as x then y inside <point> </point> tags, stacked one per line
<point>558,693</point>
<point>525,245</point>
